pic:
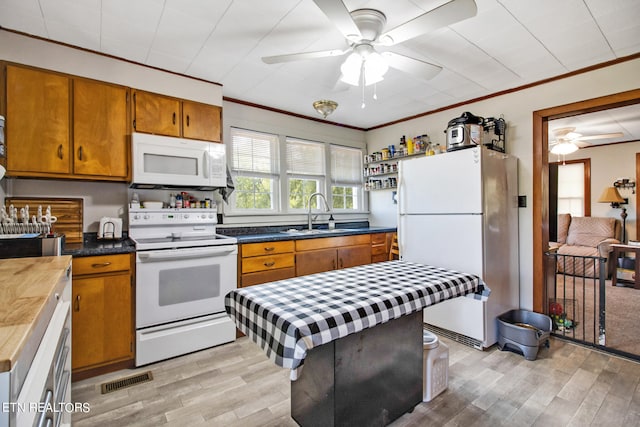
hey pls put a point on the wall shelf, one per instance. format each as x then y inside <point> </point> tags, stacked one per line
<point>382,174</point>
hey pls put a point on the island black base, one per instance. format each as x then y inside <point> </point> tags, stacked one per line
<point>365,379</point>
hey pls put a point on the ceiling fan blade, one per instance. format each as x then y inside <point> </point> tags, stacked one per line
<point>447,14</point>
<point>304,55</point>
<point>338,13</point>
<point>415,67</point>
<point>602,136</point>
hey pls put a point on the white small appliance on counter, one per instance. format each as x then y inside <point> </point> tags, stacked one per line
<point>110,228</point>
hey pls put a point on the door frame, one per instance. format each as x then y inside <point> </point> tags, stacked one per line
<point>541,174</point>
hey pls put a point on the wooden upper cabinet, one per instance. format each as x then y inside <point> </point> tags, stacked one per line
<point>100,119</point>
<point>153,113</point>
<point>201,121</point>
<point>37,122</point>
<point>164,115</point>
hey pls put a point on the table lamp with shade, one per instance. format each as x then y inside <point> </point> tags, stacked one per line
<point>611,195</point>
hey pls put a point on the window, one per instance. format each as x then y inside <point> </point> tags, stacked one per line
<point>276,174</point>
<point>572,189</point>
<point>346,178</point>
<point>305,171</point>
<point>254,163</point>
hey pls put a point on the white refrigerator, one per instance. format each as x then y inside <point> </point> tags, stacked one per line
<point>459,210</point>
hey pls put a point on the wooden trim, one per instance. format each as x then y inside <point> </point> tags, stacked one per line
<point>586,181</point>
<point>288,113</point>
<point>637,207</point>
<point>512,90</point>
<point>541,173</point>
<point>276,110</point>
<point>82,374</point>
<point>106,55</point>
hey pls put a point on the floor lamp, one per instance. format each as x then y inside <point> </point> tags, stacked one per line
<point>611,195</point>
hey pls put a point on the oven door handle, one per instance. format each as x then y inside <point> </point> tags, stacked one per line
<point>174,254</point>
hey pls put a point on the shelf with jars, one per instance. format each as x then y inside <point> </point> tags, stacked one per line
<point>381,167</point>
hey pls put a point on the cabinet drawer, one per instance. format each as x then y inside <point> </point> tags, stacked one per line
<point>267,276</point>
<point>332,242</point>
<point>101,264</point>
<point>268,262</point>
<point>378,250</point>
<point>266,248</point>
<point>379,239</point>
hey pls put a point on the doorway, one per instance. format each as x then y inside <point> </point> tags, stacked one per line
<point>542,209</point>
<point>541,170</point>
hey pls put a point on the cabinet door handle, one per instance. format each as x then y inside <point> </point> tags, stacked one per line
<point>60,152</point>
<point>80,153</point>
<point>341,263</point>
<point>333,264</point>
<point>77,303</point>
<point>269,249</point>
<point>174,118</point>
<point>101,264</point>
<point>269,264</point>
<point>187,120</point>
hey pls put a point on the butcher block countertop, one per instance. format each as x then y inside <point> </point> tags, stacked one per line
<point>26,285</point>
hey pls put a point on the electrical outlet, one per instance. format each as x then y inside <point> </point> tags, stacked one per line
<point>522,201</point>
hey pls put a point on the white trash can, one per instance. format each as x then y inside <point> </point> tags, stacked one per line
<point>435,373</point>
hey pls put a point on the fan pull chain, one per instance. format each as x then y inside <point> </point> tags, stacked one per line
<point>363,84</point>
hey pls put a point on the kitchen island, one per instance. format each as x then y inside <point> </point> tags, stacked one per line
<point>35,333</point>
<point>357,332</point>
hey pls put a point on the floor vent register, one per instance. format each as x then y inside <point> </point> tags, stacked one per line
<point>126,382</point>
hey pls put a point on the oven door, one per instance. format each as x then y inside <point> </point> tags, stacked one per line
<point>176,284</point>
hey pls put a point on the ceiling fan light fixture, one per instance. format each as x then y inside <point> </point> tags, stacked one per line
<point>565,147</point>
<point>371,64</point>
<point>325,107</point>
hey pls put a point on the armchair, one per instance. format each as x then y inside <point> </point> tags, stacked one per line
<point>586,236</point>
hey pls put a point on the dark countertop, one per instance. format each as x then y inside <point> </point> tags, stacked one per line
<point>275,233</point>
<point>91,246</point>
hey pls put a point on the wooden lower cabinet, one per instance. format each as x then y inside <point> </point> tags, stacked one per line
<point>380,246</point>
<point>330,253</point>
<point>102,315</point>
<point>265,262</point>
<point>316,261</point>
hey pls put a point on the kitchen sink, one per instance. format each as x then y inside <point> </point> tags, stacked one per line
<point>316,231</point>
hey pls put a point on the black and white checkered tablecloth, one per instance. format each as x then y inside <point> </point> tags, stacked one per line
<point>289,317</point>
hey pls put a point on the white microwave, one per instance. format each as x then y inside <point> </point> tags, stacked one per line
<point>168,162</point>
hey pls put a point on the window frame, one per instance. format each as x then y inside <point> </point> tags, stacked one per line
<point>281,179</point>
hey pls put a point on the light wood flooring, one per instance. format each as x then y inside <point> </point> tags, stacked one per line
<point>236,385</point>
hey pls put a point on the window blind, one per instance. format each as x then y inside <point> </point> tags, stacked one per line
<point>346,165</point>
<point>305,157</point>
<point>254,151</point>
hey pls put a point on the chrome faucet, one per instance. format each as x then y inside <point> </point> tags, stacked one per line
<point>326,205</point>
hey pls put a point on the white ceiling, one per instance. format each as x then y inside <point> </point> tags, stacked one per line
<point>508,43</point>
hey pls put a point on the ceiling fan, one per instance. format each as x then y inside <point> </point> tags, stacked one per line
<point>567,140</point>
<point>365,30</point>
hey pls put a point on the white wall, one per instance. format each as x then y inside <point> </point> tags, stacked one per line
<point>608,163</point>
<point>261,120</point>
<point>517,108</point>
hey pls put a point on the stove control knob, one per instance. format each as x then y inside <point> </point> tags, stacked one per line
<point>146,216</point>
<point>211,216</point>
<point>136,216</point>
<point>204,216</point>
<point>185,216</point>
